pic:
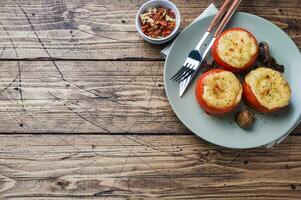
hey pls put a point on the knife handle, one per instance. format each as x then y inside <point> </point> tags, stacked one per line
<point>227,17</point>
<point>219,15</point>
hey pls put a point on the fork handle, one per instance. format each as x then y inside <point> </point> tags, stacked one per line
<point>219,15</point>
<point>227,17</point>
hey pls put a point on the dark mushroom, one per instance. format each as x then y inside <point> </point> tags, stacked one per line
<point>264,52</point>
<point>266,59</point>
<point>271,62</point>
<point>245,119</point>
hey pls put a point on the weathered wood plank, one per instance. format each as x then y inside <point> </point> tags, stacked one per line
<point>105,29</point>
<point>85,97</point>
<point>148,167</point>
<point>81,97</point>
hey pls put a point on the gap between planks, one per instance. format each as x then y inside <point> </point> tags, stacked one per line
<point>132,59</point>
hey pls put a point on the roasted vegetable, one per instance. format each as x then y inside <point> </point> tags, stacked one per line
<point>264,52</point>
<point>266,59</point>
<point>235,50</point>
<point>218,91</point>
<point>266,90</point>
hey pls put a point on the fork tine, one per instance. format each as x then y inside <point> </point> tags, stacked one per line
<point>179,72</point>
<point>186,76</point>
<point>183,74</point>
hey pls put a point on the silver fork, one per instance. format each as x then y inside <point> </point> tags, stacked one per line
<point>194,58</point>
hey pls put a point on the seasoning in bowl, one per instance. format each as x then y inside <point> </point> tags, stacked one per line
<point>158,22</point>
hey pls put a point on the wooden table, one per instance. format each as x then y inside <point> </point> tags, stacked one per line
<point>84,114</point>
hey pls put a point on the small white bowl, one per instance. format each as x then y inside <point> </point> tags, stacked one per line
<point>157,3</point>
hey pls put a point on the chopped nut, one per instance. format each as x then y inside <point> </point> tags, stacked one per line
<point>158,22</point>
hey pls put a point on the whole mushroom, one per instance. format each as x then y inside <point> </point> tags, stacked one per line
<point>264,52</point>
<point>245,119</point>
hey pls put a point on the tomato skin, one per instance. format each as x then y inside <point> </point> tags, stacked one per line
<point>223,64</point>
<point>252,101</point>
<point>199,95</point>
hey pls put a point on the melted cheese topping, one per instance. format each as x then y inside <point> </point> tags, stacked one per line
<point>222,90</point>
<point>270,87</point>
<point>236,48</point>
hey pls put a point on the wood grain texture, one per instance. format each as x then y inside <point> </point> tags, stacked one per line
<point>81,96</point>
<point>105,29</point>
<point>144,167</point>
<point>85,97</point>
<point>76,66</point>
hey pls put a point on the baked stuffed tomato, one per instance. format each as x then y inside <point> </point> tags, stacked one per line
<point>266,90</point>
<point>218,91</point>
<point>235,50</point>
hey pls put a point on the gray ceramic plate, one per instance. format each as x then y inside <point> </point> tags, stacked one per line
<point>223,131</point>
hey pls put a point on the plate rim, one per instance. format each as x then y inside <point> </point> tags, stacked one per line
<point>295,124</point>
